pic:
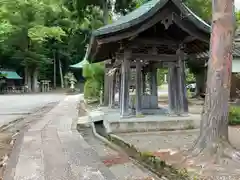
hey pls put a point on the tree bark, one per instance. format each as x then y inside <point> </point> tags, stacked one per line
<point>105,11</point>
<point>54,70</point>
<point>214,124</point>
<point>35,80</point>
<point>61,73</point>
<point>29,80</point>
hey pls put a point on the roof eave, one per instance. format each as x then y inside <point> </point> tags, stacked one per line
<point>201,24</point>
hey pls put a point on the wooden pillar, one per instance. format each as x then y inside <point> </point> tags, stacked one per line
<point>138,99</point>
<point>143,81</point>
<point>112,85</point>
<point>119,89</point>
<point>106,88</point>
<point>182,93</point>
<point>125,72</point>
<point>153,81</point>
<point>172,89</point>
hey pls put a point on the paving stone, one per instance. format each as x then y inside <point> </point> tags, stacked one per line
<point>55,163</point>
<point>52,149</point>
<point>30,159</point>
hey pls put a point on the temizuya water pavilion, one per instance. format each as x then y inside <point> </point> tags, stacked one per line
<point>160,33</point>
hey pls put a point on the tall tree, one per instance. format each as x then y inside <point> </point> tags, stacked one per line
<point>214,125</point>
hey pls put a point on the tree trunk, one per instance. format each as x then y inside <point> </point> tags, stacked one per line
<point>214,124</point>
<point>61,73</point>
<point>54,70</point>
<point>105,11</point>
<point>35,80</point>
<point>27,80</point>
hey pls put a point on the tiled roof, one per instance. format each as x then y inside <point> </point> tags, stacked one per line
<point>10,74</point>
<point>144,12</point>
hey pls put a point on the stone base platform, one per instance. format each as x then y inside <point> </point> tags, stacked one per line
<point>113,123</point>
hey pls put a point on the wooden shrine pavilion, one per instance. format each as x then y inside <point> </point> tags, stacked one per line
<point>160,33</point>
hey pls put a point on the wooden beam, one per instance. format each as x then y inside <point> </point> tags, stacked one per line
<point>161,64</point>
<point>134,31</point>
<point>190,29</point>
<point>154,42</point>
<point>189,39</point>
<point>151,57</point>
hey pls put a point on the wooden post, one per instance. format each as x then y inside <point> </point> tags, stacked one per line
<point>125,70</point>
<point>112,88</point>
<point>153,81</point>
<point>106,88</point>
<point>138,99</point>
<point>143,81</point>
<point>182,94</point>
<point>110,84</point>
<point>119,89</point>
<point>172,93</point>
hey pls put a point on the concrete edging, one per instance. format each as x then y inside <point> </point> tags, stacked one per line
<point>119,149</point>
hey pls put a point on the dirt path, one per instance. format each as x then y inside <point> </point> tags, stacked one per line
<point>9,133</point>
<point>160,144</point>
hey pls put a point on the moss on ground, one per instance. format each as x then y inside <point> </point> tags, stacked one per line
<point>151,162</point>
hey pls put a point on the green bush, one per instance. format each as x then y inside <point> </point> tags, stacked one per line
<point>94,75</point>
<point>234,115</point>
<point>92,89</point>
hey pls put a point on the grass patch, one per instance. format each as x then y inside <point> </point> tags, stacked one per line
<point>234,116</point>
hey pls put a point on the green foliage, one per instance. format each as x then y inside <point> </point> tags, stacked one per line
<point>126,6</point>
<point>93,18</point>
<point>203,8</point>
<point>94,75</point>
<point>34,32</point>
<point>92,89</point>
<point>190,76</point>
<point>161,72</point>
<point>234,115</point>
<point>140,2</point>
<point>237,15</point>
<point>160,76</point>
<point>42,33</point>
<point>94,71</point>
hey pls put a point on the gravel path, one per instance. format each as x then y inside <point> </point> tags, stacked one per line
<point>154,141</point>
<point>18,106</point>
